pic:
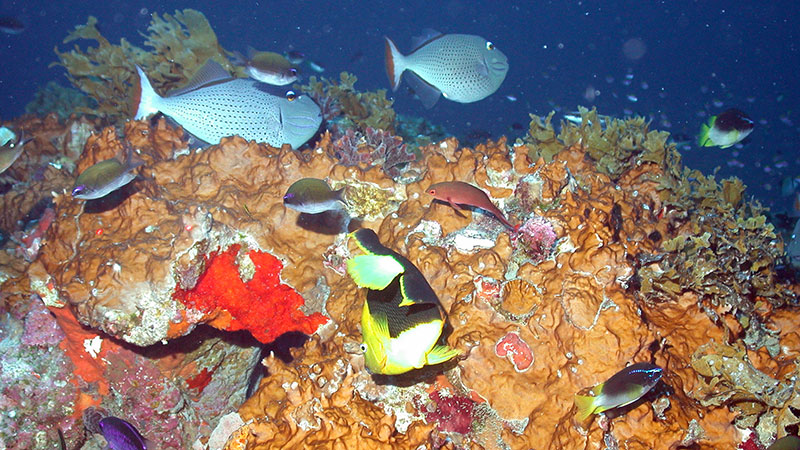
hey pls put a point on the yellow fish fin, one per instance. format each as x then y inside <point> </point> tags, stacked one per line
<point>373,271</point>
<point>586,406</point>
<point>442,353</point>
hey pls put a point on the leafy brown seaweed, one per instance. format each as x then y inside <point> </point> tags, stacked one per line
<point>181,43</point>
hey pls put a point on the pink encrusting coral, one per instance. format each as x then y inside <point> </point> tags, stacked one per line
<point>517,351</point>
<point>452,413</point>
<point>535,238</point>
<point>41,328</point>
<point>373,147</point>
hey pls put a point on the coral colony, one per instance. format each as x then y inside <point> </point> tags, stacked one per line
<point>154,308</point>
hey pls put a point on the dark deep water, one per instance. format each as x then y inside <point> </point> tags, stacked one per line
<point>676,62</point>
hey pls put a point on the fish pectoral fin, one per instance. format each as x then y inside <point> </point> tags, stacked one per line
<point>586,406</point>
<point>373,271</point>
<point>426,92</point>
<point>442,353</point>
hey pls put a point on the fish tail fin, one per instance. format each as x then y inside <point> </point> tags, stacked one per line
<point>703,140</point>
<point>586,407</point>
<point>442,353</point>
<point>145,99</point>
<point>394,65</point>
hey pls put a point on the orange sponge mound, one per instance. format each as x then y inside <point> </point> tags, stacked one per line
<point>263,305</point>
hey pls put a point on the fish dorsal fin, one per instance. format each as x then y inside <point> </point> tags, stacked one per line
<point>426,36</point>
<point>428,94</point>
<point>211,73</point>
<point>251,52</point>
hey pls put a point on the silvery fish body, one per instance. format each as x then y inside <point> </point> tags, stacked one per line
<point>464,68</point>
<point>228,107</point>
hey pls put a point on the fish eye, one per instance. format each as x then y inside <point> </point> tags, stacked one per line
<point>489,45</point>
<point>293,71</point>
<point>78,190</point>
<point>432,191</point>
<point>291,96</point>
<point>363,348</point>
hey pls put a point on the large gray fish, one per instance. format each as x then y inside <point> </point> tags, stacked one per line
<point>463,68</point>
<point>213,105</point>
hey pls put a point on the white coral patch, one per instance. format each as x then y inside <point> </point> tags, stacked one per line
<point>92,346</point>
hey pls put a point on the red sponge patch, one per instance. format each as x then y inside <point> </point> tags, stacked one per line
<point>263,305</point>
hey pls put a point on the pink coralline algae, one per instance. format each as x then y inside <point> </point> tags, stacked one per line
<point>142,395</point>
<point>517,351</point>
<point>452,413</point>
<point>535,238</point>
<point>373,147</point>
<point>41,328</point>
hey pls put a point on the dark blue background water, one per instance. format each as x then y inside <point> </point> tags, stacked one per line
<point>697,59</point>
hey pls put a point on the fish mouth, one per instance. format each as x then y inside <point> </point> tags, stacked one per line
<point>498,65</point>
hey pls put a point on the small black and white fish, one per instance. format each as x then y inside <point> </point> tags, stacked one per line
<point>313,196</point>
<point>214,105</point>
<point>726,129</point>
<point>461,67</point>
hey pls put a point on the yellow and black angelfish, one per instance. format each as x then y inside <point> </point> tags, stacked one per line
<point>402,319</point>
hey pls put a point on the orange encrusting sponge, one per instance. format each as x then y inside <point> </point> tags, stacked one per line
<point>263,305</point>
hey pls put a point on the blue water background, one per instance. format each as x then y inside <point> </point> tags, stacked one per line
<point>701,58</point>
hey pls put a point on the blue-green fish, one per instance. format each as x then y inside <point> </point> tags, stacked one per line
<point>313,196</point>
<point>213,106</point>
<point>623,388</point>
<point>463,68</point>
<point>786,443</point>
<point>726,129</point>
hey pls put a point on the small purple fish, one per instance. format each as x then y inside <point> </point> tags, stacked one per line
<point>121,435</point>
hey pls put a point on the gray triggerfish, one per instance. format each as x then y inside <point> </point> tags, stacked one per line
<point>623,388</point>
<point>463,68</point>
<point>313,196</point>
<point>104,177</point>
<point>726,129</point>
<point>214,105</point>
<point>267,67</point>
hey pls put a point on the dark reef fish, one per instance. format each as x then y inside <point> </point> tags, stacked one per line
<point>401,320</point>
<point>463,68</point>
<point>119,434</point>
<point>11,25</point>
<point>726,129</point>
<point>460,193</point>
<point>213,105</point>
<point>623,388</point>
<point>267,67</point>
<point>313,196</point>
